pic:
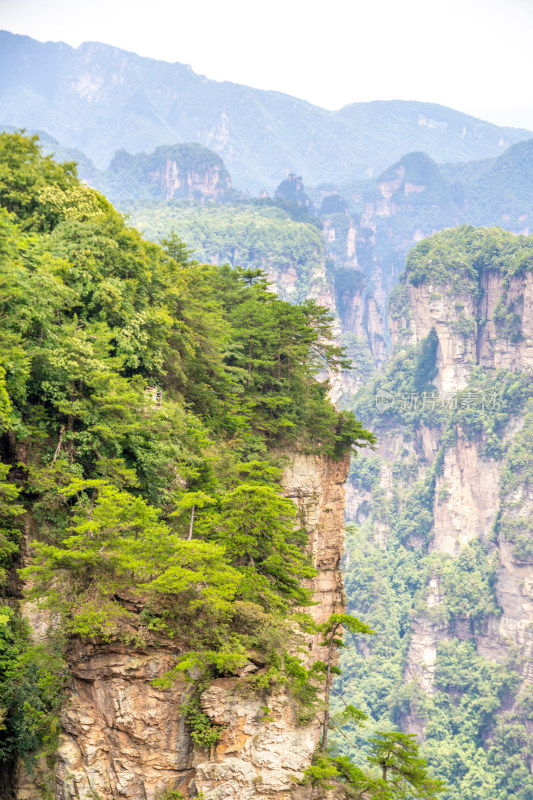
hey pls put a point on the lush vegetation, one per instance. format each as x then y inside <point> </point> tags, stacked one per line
<point>479,749</point>
<point>146,402</point>
<point>514,524</point>
<point>456,258</point>
<point>252,236</point>
<point>474,713</point>
<point>396,771</point>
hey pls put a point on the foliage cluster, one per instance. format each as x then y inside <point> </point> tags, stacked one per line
<point>515,522</point>
<point>456,258</point>
<point>396,771</point>
<point>406,385</point>
<point>486,407</point>
<point>250,235</point>
<point>466,584</point>
<point>31,690</point>
<point>154,519</point>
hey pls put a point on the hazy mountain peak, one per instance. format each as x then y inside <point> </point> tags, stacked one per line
<point>99,99</point>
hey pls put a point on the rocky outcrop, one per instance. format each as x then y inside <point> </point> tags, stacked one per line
<point>292,191</point>
<point>505,338</point>
<point>473,498</point>
<point>180,172</point>
<point>208,183</point>
<point>123,737</point>
<point>375,331</point>
<point>466,498</point>
<point>317,487</point>
<point>264,748</point>
<point>468,503</point>
<point>495,331</point>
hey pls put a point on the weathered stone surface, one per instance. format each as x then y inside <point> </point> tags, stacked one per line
<point>124,738</point>
<point>486,343</point>
<point>466,498</point>
<point>121,736</point>
<point>468,501</point>
<point>263,748</point>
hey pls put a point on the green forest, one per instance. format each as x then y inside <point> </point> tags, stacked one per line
<point>148,403</point>
<point>228,316</point>
<point>251,235</point>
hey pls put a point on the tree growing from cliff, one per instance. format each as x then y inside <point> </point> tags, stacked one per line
<point>403,772</point>
<point>331,632</point>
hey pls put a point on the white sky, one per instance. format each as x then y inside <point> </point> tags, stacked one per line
<point>472,55</point>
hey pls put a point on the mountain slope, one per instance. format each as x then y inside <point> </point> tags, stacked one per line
<point>441,563</point>
<point>496,191</point>
<point>99,99</point>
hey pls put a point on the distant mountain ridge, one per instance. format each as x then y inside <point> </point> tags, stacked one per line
<point>385,217</point>
<point>182,171</point>
<point>101,99</point>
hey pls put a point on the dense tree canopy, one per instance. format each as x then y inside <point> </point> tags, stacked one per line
<point>146,402</point>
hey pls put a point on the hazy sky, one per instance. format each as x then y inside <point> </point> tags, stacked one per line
<point>473,55</point>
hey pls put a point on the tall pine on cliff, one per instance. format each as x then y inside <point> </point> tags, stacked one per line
<point>145,403</point>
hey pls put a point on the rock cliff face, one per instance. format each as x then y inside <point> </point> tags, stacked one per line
<point>469,473</point>
<point>123,738</point>
<point>469,496</point>
<point>173,182</point>
<point>180,172</point>
<point>495,331</point>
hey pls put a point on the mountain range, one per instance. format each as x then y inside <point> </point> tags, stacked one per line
<point>101,99</point>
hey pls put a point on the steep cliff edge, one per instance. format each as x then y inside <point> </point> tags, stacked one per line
<point>491,327</point>
<point>260,752</point>
<point>121,737</point>
<point>444,515</point>
<point>370,226</point>
<point>147,504</point>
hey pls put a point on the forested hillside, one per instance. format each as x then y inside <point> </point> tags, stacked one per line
<point>146,403</point>
<point>251,235</point>
<point>171,462</point>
